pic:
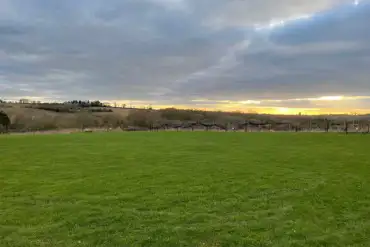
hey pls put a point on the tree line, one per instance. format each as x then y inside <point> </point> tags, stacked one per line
<point>171,118</point>
<point>86,103</point>
<point>193,119</point>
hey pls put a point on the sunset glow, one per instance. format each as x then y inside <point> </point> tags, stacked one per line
<point>266,106</point>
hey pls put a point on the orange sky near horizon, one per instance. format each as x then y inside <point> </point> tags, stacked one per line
<point>260,110</point>
<point>319,106</point>
<point>276,110</point>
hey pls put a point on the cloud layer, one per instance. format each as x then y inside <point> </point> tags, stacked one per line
<point>175,52</point>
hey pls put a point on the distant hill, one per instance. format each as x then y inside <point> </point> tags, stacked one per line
<point>81,115</point>
<point>32,117</point>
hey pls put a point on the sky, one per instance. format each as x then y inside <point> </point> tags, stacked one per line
<point>267,56</point>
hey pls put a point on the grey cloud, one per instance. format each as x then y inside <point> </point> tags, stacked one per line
<point>270,67</point>
<point>251,12</point>
<point>346,23</point>
<point>11,30</point>
<point>171,52</point>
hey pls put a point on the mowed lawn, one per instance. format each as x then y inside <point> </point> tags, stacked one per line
<point>185,189</point>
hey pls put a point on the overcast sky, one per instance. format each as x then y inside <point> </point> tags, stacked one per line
<point>238,54</point>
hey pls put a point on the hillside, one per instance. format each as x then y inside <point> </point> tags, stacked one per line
<point>44,116</point>
<point>25,117</point>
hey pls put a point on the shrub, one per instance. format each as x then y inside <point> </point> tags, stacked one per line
<point>4,120</point>
<point>144,118</point>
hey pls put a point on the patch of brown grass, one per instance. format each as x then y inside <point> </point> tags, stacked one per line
<point>30,119</point>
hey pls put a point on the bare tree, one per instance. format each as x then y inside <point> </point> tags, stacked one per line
<point>346,126</point>
<point>149,119</point>
<point>327,125</point>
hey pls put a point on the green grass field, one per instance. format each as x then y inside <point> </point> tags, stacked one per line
<point>185,189</point>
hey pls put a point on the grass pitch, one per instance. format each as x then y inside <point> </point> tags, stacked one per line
<point>185,189</point>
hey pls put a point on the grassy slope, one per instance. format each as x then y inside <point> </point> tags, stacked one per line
<point>36,118</point>
<point>185,189</point>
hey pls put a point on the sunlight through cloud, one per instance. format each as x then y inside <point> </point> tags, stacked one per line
<point>280,23</point>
